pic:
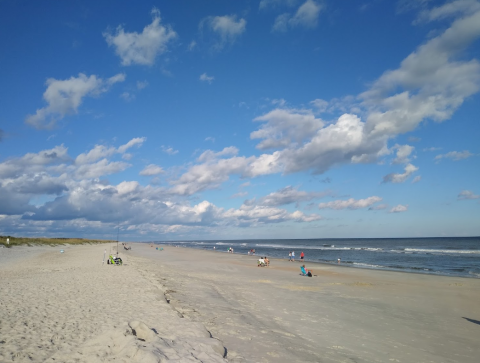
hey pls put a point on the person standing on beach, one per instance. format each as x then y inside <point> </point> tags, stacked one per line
<point>290,255</point>
<point>302,255</point>
<point>293,256</point>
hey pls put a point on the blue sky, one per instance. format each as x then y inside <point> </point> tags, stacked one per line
<point>240,119</point>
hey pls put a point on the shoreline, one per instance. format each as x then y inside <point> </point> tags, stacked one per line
<point>342,264</point>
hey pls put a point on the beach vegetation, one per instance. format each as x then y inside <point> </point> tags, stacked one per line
<point>35,241</point>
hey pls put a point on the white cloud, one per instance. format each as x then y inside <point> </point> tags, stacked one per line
<point>169,150</point>
<point>287,195</point>
<point>100,168</point>
<point>152,169</point>
<point>102,151</point>
<point>141,48</point>
<point>449,9</point>
<point>192,45</point>
<point>306,16</point>
<point>142,84</point>
<point>226,27</point>
<point>275,3</point>
<point>379,207</point>
<point>350,203</point>
<point>208,175</point>
<point>403,152</point>
<point>399,208</point>
<point>205,78</point>
<point>284,127</point>
<point>239,195</point>
<point>319,104</point>
<point>454,155</point>
<point>249,214</point>
<point>65,97</point>
<point>400,178</point>
<point>341,142</point>
<point>209,138</point>
<point>432,149</point>
<point>279,102</point>
<point>466,195</point>
<point>127,96</point>
<point>281,23</point>
<point>434,81</point>
<point>416,179</point>
<point>97,153</point>
<point>209,155</point>
<point>133,142</point>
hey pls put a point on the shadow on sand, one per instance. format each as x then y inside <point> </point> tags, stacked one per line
<point>472,320</point>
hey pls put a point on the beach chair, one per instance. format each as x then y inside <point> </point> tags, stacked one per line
<point>114,260</point>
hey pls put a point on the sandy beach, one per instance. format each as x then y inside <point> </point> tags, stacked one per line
<point>183,304</point>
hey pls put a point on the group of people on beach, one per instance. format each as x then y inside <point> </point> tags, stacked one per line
<point>263,262</point>
<point>291,256</point>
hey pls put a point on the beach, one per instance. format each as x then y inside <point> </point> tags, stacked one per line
<point>198,305</point>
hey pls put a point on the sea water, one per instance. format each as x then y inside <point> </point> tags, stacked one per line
<point>452,256</point>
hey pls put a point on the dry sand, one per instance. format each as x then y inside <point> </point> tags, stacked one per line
<point>68,307</point>
<point>193,305</point>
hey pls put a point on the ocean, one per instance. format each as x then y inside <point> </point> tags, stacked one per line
<point>451,256</point>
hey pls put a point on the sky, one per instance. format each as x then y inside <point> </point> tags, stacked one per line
<point>229,119</point>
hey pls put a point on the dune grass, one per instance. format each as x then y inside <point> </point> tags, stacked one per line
<point>22,241</point>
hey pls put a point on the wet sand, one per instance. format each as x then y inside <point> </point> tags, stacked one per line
<point>342,315</point>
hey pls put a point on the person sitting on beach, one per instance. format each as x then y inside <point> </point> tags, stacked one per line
<point>267,261</point>
<point>306,272</point>
<point>261,262</point>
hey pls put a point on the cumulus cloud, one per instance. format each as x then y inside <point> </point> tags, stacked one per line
<point>399,208</point>
<point>466,195</point>
<point>152,169</point>
<point>255,214</point>
<point>350,203</point>
<point>211,155</point>
<point>64,97</point>
<point>379,207</point>
<point>287,195</point>
<point>227,28</point>
<point>320,105</point>
<point>284,126</point>
<point>454,155</point>
<point>400,178</point>
<point>449,9</point>
<point>206,78</point>
<point>169,150</point>
<point>141,48</point>
<point>434,82</point>
<point>403,152</point>
<point>306,16</point>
